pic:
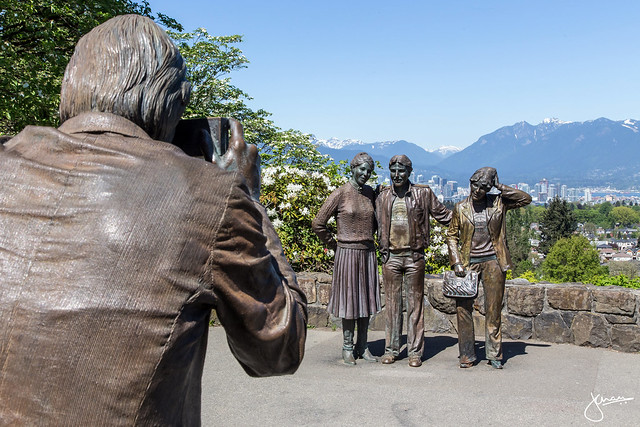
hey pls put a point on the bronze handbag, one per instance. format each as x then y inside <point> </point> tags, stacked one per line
<point>460,287</point>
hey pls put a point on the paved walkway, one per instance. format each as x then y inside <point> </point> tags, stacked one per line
<point>541,385</point>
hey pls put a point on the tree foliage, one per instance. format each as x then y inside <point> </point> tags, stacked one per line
<point>296,178</point>
<point>588,214</point>
<point>557,222</point>
<point>37,38</point>
<point>536,212</point>
<point>625,268</point>
<point>572,259</point>
<point>210,62</point>
<point>624,216</point>
<point>606,215</point>
<point>619,280</point>
<point>605,208</point>
<point>589,228</point>
<point>518,229</point>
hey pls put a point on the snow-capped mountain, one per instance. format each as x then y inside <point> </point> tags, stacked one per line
<point>446,150</point>
<point>336,143</point>
<point>631,124</point>
<point>592,153</point>
<point>595,152</point>
<point>345,149</point>
<point>423,160</point>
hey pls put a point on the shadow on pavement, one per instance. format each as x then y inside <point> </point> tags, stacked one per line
<point>435,344</point>
<point>510,349</point>
<point>432,346</point>
<point>516,348</point>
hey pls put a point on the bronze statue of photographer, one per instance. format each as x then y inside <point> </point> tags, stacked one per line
<point>115,246</point>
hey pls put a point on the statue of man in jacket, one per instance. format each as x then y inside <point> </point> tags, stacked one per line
<point>403,212</point>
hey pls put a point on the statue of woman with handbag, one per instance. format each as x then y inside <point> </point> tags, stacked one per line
<point>477,242</point>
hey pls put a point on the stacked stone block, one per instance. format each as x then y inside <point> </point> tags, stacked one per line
<point>573,313</point>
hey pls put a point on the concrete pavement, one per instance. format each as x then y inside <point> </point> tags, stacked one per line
<point>541,384</point>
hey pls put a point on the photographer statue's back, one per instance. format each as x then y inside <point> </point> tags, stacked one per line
<point>115,246</point>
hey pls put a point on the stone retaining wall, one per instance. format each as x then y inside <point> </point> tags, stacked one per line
<point>572,313</point>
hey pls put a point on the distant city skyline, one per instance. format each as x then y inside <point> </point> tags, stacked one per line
<point>542,190</point>
<point>431,73</point>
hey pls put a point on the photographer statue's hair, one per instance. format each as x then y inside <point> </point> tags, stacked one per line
<point>127,66</point>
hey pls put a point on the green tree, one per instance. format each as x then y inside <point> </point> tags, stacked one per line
<point>623,215</point>
<point>296,178</point>
<point>37,38</point>
<point>295,148</point>
<point>604,209</point>
<point>518,235</point>
<point>535,212</point>
<point>210,62</point>
<point>587,214</point>
<point>557,222</point>
<point>626,268</point>
<point>589,228</point>
<point>572,259</point>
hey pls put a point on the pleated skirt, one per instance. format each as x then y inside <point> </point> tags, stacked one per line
<point>355,291</point>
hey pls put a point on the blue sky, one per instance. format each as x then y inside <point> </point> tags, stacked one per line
<point>430,72</point>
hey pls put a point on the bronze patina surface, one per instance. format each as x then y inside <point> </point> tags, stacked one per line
<point>115,246</point>
<point>477,240</point>
<point>403,212</point>
<point>355,291</point>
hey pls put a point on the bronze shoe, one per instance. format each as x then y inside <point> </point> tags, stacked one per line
<point>367,356</point>
<point>415,361</point>
<point>347,357</point>
<point>388,359</point>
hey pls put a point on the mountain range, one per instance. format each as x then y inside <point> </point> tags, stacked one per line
<point>594,153</point>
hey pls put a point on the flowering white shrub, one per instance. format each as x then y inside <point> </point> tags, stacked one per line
<point>437,255</point>
<point>293,197</point>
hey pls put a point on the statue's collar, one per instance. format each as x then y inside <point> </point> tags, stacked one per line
<point>408,193</point>
<point>102,122</point>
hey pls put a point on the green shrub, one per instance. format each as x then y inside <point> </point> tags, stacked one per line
<point>619,280</point>
<point>572,259</point>
<point>530,276</point>
<point>292,197</point>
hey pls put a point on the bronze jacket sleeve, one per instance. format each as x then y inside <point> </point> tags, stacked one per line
<point>438,210</point>
<point>258,300</point>
<point>453,237</point>
<point>513,198</point>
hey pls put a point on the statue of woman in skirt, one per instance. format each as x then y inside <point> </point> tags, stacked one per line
<point>355,291</point>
